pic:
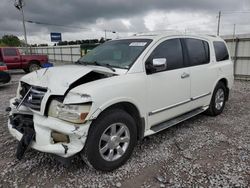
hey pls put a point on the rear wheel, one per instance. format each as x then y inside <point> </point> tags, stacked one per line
<point>33,67</point>
<point>110,141</point>
<point>218,100</point>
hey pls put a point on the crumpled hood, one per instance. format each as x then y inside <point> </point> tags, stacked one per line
<point>58,79</point>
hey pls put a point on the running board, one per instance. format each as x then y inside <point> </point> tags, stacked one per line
<point>174,121</point>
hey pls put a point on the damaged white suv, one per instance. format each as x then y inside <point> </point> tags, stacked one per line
<point>117,94</point>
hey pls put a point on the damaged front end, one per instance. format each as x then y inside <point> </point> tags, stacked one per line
<point>51,121</point>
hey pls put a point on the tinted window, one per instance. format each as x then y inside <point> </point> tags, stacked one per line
<point>221,52</point>
<point>198,51</point>
<point>172,51</point>
<point>9,52</point>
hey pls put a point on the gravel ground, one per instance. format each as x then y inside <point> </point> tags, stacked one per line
<point>201,152</point>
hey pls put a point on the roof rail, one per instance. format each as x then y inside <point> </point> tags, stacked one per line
<point>159,32</point>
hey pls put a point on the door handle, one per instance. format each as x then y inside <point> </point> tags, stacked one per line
<point>185,75</point>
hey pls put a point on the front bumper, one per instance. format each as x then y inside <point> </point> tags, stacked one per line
<point>44,126</point>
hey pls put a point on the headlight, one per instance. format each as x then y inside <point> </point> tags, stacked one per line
<point>74,113</point>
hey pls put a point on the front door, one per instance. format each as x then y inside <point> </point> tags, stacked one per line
<point>169,90</point>
<point>11,58</point>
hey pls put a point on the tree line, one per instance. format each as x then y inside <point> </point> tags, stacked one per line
<point>14,41</point>
<point>10,40</point>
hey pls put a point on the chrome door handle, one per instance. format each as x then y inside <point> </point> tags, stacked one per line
<point>185,75</point>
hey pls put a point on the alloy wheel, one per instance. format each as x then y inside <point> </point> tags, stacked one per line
<point>114,142</point>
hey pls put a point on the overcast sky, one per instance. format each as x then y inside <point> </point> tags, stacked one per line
<point>88,19</point>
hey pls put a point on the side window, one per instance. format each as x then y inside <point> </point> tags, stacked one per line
<point>221,52</point>
<point>9,52</point>
<point>198,51</point>
<point>171,50</point>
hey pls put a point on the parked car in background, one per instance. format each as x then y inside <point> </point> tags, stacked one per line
<point>4,75</point>
<point>119,93</point>
<point>29,63</point>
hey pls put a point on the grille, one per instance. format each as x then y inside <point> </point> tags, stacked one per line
<point>35,96</point>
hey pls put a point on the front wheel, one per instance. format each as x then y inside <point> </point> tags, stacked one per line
<point>218,100</point>
<point>111,140</point>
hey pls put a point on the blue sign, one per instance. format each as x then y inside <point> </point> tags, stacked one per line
<point>56,37</point>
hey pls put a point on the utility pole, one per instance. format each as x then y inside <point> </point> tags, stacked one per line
<point>234,32</point>
<point>218,28</point>
<point>105,31</point>
<point>19,4</point>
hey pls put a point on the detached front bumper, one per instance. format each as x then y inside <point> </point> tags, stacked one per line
<point>44,126</point>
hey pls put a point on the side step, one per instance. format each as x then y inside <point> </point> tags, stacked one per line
<point>174,121</point>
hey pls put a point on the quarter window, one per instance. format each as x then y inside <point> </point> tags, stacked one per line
<point>198,51</point>
<point>171,50</point>
<point>9,52</point>
<point>221,52</point>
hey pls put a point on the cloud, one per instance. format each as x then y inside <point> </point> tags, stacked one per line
<point>125,17</point>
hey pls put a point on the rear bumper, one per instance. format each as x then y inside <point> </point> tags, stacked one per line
<point>44,126</point>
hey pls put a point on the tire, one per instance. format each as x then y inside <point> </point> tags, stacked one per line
<point>4,77</point>
<point>218,100</point>
<point>97,152</point>
<point>33,66</point>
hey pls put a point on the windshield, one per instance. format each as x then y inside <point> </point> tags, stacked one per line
<point>117,53</point>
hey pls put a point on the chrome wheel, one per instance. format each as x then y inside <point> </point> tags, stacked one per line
<point>219,99</point>
<point>114,142</point>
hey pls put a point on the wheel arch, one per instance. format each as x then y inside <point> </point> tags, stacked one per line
<point>34,61</point>
<point>132,110</point>
<point>225,82</point>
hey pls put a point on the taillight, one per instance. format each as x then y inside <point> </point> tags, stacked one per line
<point>3,68</point>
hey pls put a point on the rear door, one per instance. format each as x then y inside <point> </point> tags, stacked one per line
<point>169,90</point>
<point>202,74</point>
<point>11,58</point>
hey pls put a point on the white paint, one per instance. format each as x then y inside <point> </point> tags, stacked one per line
<point>148,93</point>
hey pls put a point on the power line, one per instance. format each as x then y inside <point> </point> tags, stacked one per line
<point>57,25</point>
<point>236,12</point>
<point>67,26</point>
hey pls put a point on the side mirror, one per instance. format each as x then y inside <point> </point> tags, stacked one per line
<point>156,65</point>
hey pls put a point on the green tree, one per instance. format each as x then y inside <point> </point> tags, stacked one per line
<point>10,40</point>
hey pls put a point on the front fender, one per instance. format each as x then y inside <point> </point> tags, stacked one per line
<point>107,92</point>
<point>110,103</point>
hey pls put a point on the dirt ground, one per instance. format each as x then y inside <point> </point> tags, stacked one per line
<point>201,152</point>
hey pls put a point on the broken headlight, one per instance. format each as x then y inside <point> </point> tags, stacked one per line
<point>74,113</point>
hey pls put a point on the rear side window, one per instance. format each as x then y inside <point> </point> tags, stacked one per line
<point>198,51</point>
<point>9,52</point>
<point>221,52</point>
<point>172,51</point>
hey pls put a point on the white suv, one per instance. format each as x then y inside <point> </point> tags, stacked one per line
<point>119,93</point>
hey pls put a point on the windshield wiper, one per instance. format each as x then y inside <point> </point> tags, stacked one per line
<point>96,64</point>
<point>104,65</point>
<point>109,66</point>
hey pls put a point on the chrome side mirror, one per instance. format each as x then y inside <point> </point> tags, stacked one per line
<point>156,65</point>
<point>160,63</point>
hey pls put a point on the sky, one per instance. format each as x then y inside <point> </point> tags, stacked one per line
<point>88,19</point>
